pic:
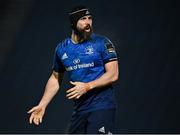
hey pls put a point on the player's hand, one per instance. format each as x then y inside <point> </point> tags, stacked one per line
<point>78,90</point>
<point>37,114</point>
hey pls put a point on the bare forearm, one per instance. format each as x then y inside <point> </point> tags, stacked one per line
<point>51,89</point>
<point>111,75</point>
<point>104,80</point>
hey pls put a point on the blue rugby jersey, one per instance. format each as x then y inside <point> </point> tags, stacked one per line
<point>85,62</point>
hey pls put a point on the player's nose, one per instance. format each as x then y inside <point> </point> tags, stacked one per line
<point>87,20</point>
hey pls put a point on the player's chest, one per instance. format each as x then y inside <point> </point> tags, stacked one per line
<point>81,55</point>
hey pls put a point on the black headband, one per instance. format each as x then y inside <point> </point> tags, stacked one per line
<point>76,15</point>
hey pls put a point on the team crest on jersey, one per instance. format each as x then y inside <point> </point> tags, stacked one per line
<point>89,50</point>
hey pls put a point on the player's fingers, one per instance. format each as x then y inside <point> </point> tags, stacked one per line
<point>40,119</point>
<point>35,120</point>
<point>71,93</point>
<point>73,96</point>
<point>78,97</point>
<point>30,111</point>
<point>31,118</point>
<point>73,83</point>
<point>70,90</point>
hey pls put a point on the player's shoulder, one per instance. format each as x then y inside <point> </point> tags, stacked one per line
<point>99,37</point>
<point>62,44</point>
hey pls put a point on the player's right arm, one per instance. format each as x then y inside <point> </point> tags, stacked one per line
<point>51,89</point>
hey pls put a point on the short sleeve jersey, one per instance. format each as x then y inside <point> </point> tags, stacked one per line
<point>85,62</point>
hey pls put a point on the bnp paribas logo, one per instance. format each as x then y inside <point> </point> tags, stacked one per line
<point>89,50</point>
<point>76,61</point>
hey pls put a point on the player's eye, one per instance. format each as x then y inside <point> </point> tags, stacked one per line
<point>90,17</point>
<point>83,18</point>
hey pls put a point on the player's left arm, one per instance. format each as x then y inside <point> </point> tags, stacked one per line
<point>110,76</point>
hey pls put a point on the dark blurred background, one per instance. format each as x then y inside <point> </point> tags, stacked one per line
<point>146,35</point>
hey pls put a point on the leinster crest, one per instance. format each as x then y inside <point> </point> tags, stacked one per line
<point>89,50</point>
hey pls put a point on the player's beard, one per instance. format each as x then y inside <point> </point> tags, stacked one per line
<point>83,34</point>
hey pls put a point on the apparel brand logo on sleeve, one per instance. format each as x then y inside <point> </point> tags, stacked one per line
<point>102,130</point>
<point>87,12</point>
<point>64,56</point>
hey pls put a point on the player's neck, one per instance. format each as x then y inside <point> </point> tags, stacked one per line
<point>76,39</point>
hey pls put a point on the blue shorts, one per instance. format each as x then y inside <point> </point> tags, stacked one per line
<point>96,122</point>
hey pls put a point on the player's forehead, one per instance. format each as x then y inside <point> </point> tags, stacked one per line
<point>86,16</point>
